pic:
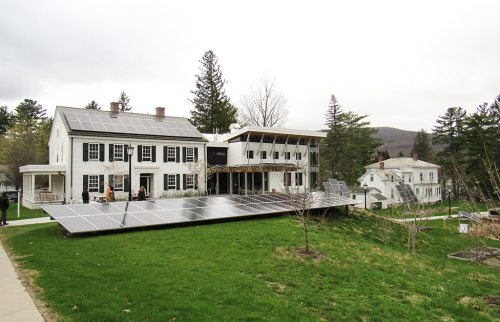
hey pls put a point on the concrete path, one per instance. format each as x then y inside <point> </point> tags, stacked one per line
<point>437,217</point>
<point>16,304</point>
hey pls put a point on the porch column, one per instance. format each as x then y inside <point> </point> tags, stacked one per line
<point>263,183</point>
<point>239,183</point>
<point>230,183</point>
<point>253,182</point>
<point>217,184</point>
<point>50,182</point>
<point>33,186</point>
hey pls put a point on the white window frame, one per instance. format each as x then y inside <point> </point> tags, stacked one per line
<point>93,152</point>
<point>431,176</point>
<point>93,183</point>
<point>421,176</point>
<point>299,156</point>
<point>146,153</point>
<point>287,155</point>
<point>276,155</point>
<point>190,181</point>
<point>189,154</point>
<point>171,154</point>
<point>371,177</point>
<point>117,156</point>
<point>172,182</point>
<point>118,181</point>
<point>62,152</point>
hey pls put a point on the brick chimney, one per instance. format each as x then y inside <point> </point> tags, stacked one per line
<point>415,156</point>
<point>380,158</point>
<point>381,165</point>
<point>160,111</point>
<point>115,107</point>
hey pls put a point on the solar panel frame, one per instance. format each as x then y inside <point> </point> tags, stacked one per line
<point>470,216</point>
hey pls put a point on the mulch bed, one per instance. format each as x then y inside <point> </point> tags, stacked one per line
<point>314,254</point>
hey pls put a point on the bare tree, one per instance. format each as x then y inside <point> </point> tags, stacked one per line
<point>265,105</point>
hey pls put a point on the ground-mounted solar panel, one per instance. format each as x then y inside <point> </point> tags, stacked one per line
<point>328,187</point>
<point>410,192</point>
<point>336,186</point>
<point>470,216</point>
<point>345,189</point>
<point>120,215</point>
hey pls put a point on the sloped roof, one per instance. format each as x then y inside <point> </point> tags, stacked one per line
<point>362,190</point>
<point>88,122</point>
<point>398,163</point>
<point>378,196</point>
<point>280,132</point>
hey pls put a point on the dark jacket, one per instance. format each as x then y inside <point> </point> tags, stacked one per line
<point>85,195</point>
<point>4,203</point>
<point>141,195</point>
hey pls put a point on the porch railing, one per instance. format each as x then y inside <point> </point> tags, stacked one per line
<point>49,197</point>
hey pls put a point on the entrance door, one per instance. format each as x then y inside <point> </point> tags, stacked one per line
<point>145,181</point>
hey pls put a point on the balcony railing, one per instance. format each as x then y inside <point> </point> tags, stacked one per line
<point>44,197</point>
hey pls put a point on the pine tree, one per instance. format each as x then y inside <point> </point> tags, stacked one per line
<point>29,112</point>
<point>124,102</point>
<point>450,131</point>
<point>5,119</point>
<point>212,109</point>
<point>92,105</point>
<point>422,147</point>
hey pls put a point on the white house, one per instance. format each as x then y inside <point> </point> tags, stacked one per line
<point>374,197</point>
<point>88,149</point>
<point>421,176</point>
<point>256,159</point>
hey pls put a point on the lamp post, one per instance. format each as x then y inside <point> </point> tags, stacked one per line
<point>365,186</point>
<point>130,152</point>
<point>449,203</point>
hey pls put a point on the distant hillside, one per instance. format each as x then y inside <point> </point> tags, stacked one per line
<point>396,140</point>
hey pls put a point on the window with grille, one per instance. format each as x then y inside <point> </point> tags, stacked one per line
<point>146,153</point>
<point>117,181</point>
<point>299,156</point>
<point>276,155</point>
<point>263,155</point>
<point>421,177</point>
<point>190,155</point>
<point>171,181</point>
<point>93,151</point>
<point>171,154</point>
<point>249,154</point>
<point>287,155</point>
<point>371,177</point>
<point>190,181</point>
<point>93,183</point>
<point>431,176</point>
<point>288,179</point>
<point>118,151</point>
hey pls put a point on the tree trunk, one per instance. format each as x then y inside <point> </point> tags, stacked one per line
<point>307,240</point>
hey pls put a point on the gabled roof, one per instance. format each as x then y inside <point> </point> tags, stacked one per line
<point>361,190</point>
<point>399,163</point>
<point>384,174</point>
<point>87,122</point>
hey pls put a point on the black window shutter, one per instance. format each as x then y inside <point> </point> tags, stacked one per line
<point>101,152</point>
<point>195,154</point>
<point>85,181</point>
<point>165,154</point>
<point>165,181</point>
<point>178,181</point>
<point>125,154</point>
<point>177,154</point>
<point>85,151</point>
<point>184,181</point>
<point>111,152</point>
<point>153,153</point>
<point>125,183</point>
<point>139,153</point>
<point>101,183</point>
<point>296,178</point>
<point>183,154</point>
<point>196,181</point>
<point>300,179</point>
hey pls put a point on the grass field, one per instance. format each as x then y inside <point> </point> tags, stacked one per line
<point>245,271</point>
<point>24,213</point>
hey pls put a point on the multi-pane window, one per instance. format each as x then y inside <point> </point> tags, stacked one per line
<point>62,152</point>
<point>276,155</point>
<point>287,155</point>
<point>249,154</point>
<point>146,153</point>
<point>118,151</point>
<point>116,181</point>
<point>409,178</point>
<point>417,192</point>
<point>171,154</point>
<point>190,155</point>
<point>421,177</point>
<point>299,156</point>
<point>190,181</point>
<point>94,151</point>
<point>93,183</point>
<point>371,177</point>
<point>431,176</point>
<point>288,179</point>
<point>171,181</point>
<point>392,193</point>
<point>263,155</point>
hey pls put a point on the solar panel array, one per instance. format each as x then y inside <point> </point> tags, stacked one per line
<point>179,127</point>
<point>470,216</point>
<point>328,187</point>
<point>407,194</point>
<point>338,188</point>
<point>82,218</point>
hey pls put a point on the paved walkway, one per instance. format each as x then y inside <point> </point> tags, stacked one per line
<point>16,304</point>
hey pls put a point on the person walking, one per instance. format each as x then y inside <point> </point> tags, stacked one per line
<point>4,205</point>
<point>141,195</point>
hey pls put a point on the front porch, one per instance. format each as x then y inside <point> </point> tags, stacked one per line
<point>36,192</point>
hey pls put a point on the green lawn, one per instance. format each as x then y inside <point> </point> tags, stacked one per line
<point>436,209</point>
<point>24,213</point>
<point>245,271</point>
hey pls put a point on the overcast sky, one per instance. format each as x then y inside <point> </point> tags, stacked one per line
<point>402,63</point>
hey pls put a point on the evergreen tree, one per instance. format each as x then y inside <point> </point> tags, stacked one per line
<point>422,147</point>
<point>450,131</point>
<point>381,153</point>
<point>349,145</point>
<point>401,154</point>
<point>124,102</point>
<point>5,119</point>
<point>92,105</point>
<point>212,109</point>
<point>29,112</point>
